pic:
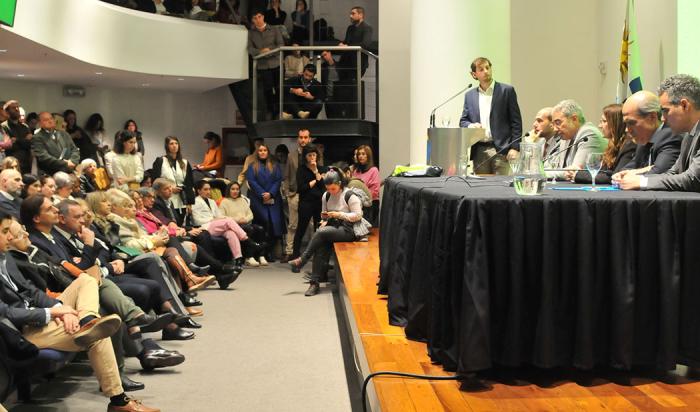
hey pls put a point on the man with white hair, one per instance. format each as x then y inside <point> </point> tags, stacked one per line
<point>578,139</point>
<point>10,190</point>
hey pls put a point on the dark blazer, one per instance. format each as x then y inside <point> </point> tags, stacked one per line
<point>48,151</point>
<point>103,253</point>
<point>12,304</point>
<point>660,153</point>
<point>10,206</point>
<point>505,119</point>
<point>684,175</point>
<point>165,213</point>
<point>310,195</point>
<point>22,146</point>
<point>604,176</point>
<point>59,250</point>
<point>318,91</point>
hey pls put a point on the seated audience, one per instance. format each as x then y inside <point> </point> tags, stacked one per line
<point>237,207</point>
<point>679,97</point>
<point>11,186</point>
<point>366,171</point>
<point>265,178</point>
<point>87,170</point>
<point>64,186</point>
<point>294,63</point>
<point>32,186</point>
<point>131,126</point>
<point>304,95</point>
<point>578,138</point>
<point>54,148</point>
<point>353,182</point>
<point>657,146</point>
<point>620,147</point>
<point>127,164</point>
<point>48,186</point>
<point>340,209</point>
<point>10,162</point>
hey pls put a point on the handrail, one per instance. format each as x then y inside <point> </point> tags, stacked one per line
<point>279,52</point>
<point>312,48</point>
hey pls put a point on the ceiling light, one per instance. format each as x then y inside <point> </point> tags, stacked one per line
<point>145,84</point>
<point>3,50</point>
<point>180,78</point>
<point>20,74</point>
<point>98,73</point>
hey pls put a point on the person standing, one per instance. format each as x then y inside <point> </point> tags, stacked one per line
<point>21,136</point>
<point>173,167</point>
<point>358,33</point>
<point>263,38</point>
<point>369,174</point>
<point>493,106</point>
<point>128,164</point>
<point>289,188</point>
<point>54,149</point>
<point>310,188</point>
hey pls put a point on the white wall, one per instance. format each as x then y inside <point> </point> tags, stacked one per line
<point>158,114</point>
<point>337,13</point>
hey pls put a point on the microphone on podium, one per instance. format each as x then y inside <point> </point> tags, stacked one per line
<point>497,152</point>
<point>432,113</point>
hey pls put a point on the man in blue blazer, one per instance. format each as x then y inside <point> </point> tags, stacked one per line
<point>492,106</point>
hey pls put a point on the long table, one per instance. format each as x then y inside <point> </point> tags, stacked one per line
<point>568,278</point>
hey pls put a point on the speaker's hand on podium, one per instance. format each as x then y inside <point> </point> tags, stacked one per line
<point>475,126</point>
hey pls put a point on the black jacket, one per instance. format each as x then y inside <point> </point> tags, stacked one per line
<point>310,195</point>
<point>188,190</point>
<point>660,153</point>
<point>42,270</point>
<point>604,176</point>
<point>317,90</point>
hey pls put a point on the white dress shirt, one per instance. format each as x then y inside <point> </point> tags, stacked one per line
<point>485,98</point>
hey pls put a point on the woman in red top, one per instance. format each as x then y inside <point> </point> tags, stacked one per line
<point>366,171</point>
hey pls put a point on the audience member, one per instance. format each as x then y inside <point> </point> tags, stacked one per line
<point>237,207</point>
<point>492,106</point>
<point>229,12</point>
<point>32,120</point>
<point>94,127</point>
<point>275,16</point>
<point>294,63</point>
<point>20,135</point>
<point>87,170</point>
<point>310,188</point>
<point>81,139</point>
<point>263,38</point>
<point>657,146</point>
<point>329,78</point>
<point>131,126</point>
<point>620,148</point>
<point>54,149</point>
<point>366,171</point>
<point>281,154</point>
<point>578,138</point>
<point>264,177</point>
<point>64,186</point>
<point>127,164</point>
<point>353,182</point>
<point>679,97</point>
<point>173,167</point>
<point>213,162</point>
<point>32,186</point>
<point>250,159</point>
<point>340,209</point>
<point>290,190</point>
<point>11,186</point>
<point>10,162</point>
<point>358,33</point>
<point>300,22</point>
<point>543,131</point>
<point>304,95</point>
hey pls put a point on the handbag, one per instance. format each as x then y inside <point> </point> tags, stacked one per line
<point>361,228</point>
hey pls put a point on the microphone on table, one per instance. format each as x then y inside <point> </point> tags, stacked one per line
<point>583,139</point>
<point>432,113</point>
<point>497,152</point>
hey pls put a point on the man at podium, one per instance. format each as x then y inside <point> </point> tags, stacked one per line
<point>492,106</point>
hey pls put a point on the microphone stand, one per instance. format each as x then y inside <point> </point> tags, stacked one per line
<point>432,113</point>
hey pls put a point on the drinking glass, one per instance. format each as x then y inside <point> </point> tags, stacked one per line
<point>593,164</point>
<point>513,163</point>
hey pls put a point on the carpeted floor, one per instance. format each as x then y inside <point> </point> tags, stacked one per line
<point>263,347</point>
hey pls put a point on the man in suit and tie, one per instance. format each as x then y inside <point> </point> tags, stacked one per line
<point>69,323</point>
<point>679,97</point>
<point>492,106</point>
<point>657,146</point>
<point>10,190</point>
<point>578,139</point>
<point>54,149</point>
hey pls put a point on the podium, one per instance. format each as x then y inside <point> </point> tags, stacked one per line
<point>450,148</point>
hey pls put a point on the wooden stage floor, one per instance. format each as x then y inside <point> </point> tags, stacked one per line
<point>387,349</point>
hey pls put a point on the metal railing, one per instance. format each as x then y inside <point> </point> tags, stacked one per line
<point>315,59</point>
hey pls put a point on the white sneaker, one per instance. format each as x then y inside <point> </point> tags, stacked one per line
<point>303,115</point>
<point>287,116</point>
<point>252,262</point>
<point>263,262</point>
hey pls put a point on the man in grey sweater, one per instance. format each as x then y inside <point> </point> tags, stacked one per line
<point>261,39</point>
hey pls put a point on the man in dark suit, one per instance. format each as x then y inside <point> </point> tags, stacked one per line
<point>21,136</point>
<point>492,106</point>
<point>304,95</point>
<point>76,323</point>
<point>679,97</point>
<point>54,149</point>
<point>657,146</point>
<point>10,190</point>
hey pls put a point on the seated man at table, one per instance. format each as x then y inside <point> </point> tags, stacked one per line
<point>543,129</point>
<point>578,139</point>
<point>679,97</point>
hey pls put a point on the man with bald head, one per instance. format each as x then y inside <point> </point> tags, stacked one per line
<point>542,128</point>
<point>10,190</point>
<point>54,149</point>
<point>679,101</point>
<point>657,146</point>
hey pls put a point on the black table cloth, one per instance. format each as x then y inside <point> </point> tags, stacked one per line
<point>568,278</point>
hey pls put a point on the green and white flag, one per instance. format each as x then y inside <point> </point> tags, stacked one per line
<point>630,60</point>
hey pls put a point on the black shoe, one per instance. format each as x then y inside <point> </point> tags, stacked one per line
<point>227,268</point>
<point>188,300</point>
<point>270,258</point>
<point>199,270</point>
<point>177,334</point>
<point>225,280</point>
<point>129,386</point>
<point>313,289</point>
<point>160,358</point>
<point>149,323</point>
<point>190,324</point>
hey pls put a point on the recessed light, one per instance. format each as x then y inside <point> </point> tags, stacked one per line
<point>98,73</point>
<point>145,84</point>
<point>20,74</point>
<point>180,78</point>
<point>3,50</point>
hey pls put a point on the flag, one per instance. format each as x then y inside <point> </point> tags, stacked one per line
<point>7,12</point>
<point>630,60</point>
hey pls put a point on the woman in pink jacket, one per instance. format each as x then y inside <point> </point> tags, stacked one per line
<point>366,171</point>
